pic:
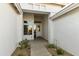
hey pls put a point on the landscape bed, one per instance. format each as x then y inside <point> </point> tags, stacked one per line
<point>23,49</point>
<point>55,51</point>
<point>22,52</point>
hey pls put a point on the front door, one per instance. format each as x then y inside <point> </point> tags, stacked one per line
<point>37,30</point>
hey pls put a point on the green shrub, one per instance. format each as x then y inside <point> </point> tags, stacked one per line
<point>23,44</point>
<point>51,46</point>
<point>60,51</point>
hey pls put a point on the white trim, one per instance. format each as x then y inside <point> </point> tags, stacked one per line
<point>66,9</point>
<point>18,7</point>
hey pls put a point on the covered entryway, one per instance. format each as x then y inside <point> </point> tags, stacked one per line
<point>38,24</point>
<point>35,26</point>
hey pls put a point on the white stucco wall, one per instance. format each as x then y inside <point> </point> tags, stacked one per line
<point>66,31</point>
<point>20,27</point>
<point>8,29</point>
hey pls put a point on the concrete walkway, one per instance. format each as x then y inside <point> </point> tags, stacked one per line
<point>38,48</point>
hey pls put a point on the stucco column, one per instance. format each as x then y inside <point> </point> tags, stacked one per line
<point>50,31</point>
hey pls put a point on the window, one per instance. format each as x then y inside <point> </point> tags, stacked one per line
<point>27,30</point>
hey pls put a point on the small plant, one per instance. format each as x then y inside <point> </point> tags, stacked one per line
<point>60,51</point>
<point>23,44</point>
<point>51,46</point>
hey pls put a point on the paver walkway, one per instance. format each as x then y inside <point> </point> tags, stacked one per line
<point>38,48</point>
